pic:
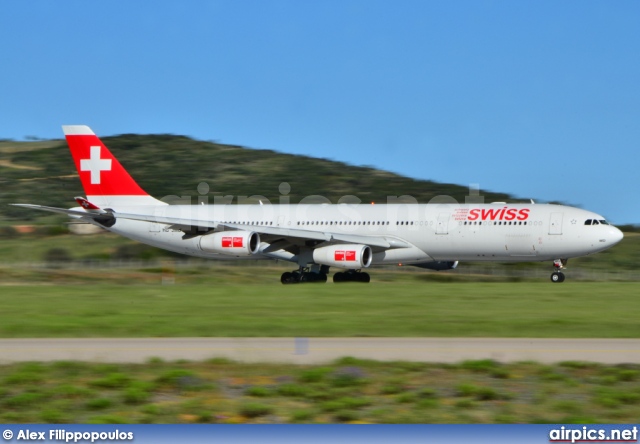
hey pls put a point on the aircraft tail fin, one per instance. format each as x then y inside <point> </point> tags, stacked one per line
<point>104,179</point>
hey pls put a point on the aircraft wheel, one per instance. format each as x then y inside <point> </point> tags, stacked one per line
<point>364,277</point>
<point>338,277</point>
<point>286,278</point>
<point>557,276</point>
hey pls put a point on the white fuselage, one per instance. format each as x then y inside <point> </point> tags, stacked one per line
<point>434,232</point>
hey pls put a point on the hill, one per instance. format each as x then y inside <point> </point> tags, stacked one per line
<point>168,165</point>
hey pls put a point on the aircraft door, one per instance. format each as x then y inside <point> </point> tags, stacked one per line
<point>555,223</point>
<point>442,226</point>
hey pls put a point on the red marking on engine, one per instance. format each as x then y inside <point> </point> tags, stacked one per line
<point>344,255</point>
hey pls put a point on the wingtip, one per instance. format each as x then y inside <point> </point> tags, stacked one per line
<point>77,130</point>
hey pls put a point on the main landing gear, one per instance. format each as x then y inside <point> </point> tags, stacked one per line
<point>315,274</point>
<point>558,276</point>
<point>351,276</point>
<point>304,274</point>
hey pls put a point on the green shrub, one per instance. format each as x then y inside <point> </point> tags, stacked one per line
<point>181,379</point>
<point>347,403</point>
<point>254,409</point>
<point>465,404</point>
<point>615,398</point>
<point>346,416</point>
<point>293,390</point>
<point>24,377</point>
<point>478,392</point>
<point>427,403</point>
<point>99,403</point>
<point>348,377</point>
<point>466,389</point>
<point>481,366</point>
<point>135,395</point>
<point>628,375</point>
<point>258,392</point>
<point>54,416</point>
<point>405,398</point>
<point>487,394</point>
<point>112,381</point>
<point>172,376</point>
<point>57,256</point>
<point>155,361</point>
<point>151,409</point>
<point>394,386</point>
<point>427,392</point>
<point>71,391</point>
<point>69,368</point>
<point>24,400</point>
<point>578,365</point>
<point>314,374</point>
<point>302,416</point>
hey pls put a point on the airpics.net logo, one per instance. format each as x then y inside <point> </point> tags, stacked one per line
<point>589,434</point>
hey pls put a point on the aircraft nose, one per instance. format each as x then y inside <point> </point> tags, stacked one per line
<point>616,235</point>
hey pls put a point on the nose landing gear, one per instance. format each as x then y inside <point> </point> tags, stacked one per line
<point>558,276</point>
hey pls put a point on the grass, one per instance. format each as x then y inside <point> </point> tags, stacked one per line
<point>394,309</point>
<point>232,392</point>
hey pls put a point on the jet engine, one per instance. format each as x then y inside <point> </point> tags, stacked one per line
<point>232,243</point>
<point>344,256</point>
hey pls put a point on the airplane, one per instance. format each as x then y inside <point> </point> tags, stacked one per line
<point>349,237</point>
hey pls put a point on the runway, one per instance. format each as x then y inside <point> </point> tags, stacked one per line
<point>321,350</point>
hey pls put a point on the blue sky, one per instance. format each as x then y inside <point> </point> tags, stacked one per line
<point>540,99</point>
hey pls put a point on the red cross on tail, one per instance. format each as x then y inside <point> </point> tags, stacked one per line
<point>100,172</point>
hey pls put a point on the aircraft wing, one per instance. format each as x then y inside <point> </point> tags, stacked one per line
<point>293,235</point>
<point>382,242</point>
<point>69,212</point>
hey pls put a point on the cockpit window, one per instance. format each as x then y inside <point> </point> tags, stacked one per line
<point>596,222</point>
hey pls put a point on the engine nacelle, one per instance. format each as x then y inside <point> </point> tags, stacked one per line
<point>344,256</point>
<point>232,243</point>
